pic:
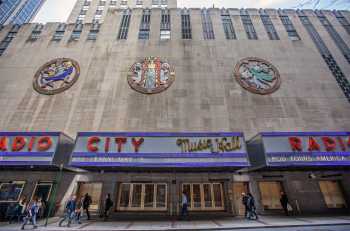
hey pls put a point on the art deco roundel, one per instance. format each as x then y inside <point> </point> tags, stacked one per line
<point>56,76</point>
<point>257,76</point>
<point>151,75</point>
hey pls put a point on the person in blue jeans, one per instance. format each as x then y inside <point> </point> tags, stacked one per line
<point>70,212</point>
<point>32,212</point>
<point>184,205</point>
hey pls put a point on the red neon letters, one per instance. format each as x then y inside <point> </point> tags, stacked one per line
<point>119,142</point>
<point>22,143</point>
<point>329,143</point>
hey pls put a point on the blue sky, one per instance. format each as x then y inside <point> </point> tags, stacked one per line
<point>58,10</point>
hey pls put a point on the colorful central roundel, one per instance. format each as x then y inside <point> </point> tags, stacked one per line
<point>56,76</point>
<point>257,75</point>
<point>151,75</point>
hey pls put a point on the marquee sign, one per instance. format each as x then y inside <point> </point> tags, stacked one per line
<point>160,149</point>
<point>28,148</point>
<point>306,148</point>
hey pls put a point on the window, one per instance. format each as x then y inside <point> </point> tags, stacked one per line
<point>100,8</point>
<point>102,3</point>
<point>139,3</point>
<point>76,32</point>
<point>332,194</point>
<point>95,28</point>
<point>343,21</point>
<point>98,12</point>
<point>113,3</point>
<point>145,25</point>
<point>124,25</point>
<point>43,191</point>
<point>11,192</point>
<point>26,11</point>
<point>208,32</point>
<point>85,8</point>
<point>335,36</point>
<point>87,3</point>
<point>9,37</point>
<point>186,25</point>
<point>248,25</point>
<point>164,3</point>
<point>270,194</point>
<point>36,32</point>
<point>142,196</point>
<point>59,33</point>
<point>204,196</point>
<point>165,25</point>
<point>270,29</point>
<point>228,26</point>
<point>123,3</point>
<point>292,33</point>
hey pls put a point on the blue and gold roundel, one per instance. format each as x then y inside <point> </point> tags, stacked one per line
<point>56,76</point>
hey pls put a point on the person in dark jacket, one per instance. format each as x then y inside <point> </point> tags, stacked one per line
<point>86,204</point>
<point>108,206</point>
<point>251,207</point>
<point>284,203</point>
<point>70,212</point>
<point>32,213</point>
<point>245,204</point>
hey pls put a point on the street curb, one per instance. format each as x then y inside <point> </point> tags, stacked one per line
<point>190,229</point>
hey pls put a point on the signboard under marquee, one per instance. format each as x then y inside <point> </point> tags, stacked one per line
<point>28,148</point>
<point>136,149</point>
<point>307,148</point>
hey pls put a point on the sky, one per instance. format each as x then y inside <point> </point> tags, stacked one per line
<point>58,10</point>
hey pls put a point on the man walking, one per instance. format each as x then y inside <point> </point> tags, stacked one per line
<point>251,207</point>
<point>108,206</point>
<point>32,212</point>
<point>86,204</point>
<point>245,204</point>
<point>284,203</point>
<point>70,212</point>
<point>184,206</point>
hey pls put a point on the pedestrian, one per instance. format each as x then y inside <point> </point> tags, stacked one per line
<point>79,210</point>
<point>108,206</point>
<point>245,204</point>
<point>284,203</point>
<point>184,206</point>
<point>70,212</point>
<point>251,207</point>
<point>32,212</point>
<point>86,204</point>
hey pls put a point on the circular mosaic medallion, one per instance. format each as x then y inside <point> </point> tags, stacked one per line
<point>257,76</point>
<point>151,75</point>
<point>56,76</point>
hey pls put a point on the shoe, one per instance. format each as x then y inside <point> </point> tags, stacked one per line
<point>79,222</point>
<point>22,227</point>
<point>35,227</point>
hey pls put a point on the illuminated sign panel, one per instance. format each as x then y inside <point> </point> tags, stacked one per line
<point>160,149</point>
<point>306,148</point>
<point>28,148</point>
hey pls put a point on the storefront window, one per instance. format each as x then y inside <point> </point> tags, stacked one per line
<point>332,194</point>
<point>204,196</point>
<point>11,191</point>
<point>143,197</point>
<point>270,194</point>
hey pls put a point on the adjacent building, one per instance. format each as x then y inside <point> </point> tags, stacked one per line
<point>19,11</point>
<point>160,101</point>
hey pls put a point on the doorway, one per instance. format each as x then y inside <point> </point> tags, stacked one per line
<point>42,190</point>
<point>238,189</point>
<point>332,194</point>
<point>204,196</point>
<point>94,190</point>
<point>270,194</point>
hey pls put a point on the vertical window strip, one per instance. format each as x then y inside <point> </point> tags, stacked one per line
<point>288,25</point>
<point>228,26</point>
<point>186,25</point>
<point>208,32</point>
<point>335,36</point>
<point>124,25</point>
<point>269,27</point>
<point>76,32</point>
<point>9,37</point>
<point>165,25</point>
<point>59,33</point>
<point>342,20</point>
<point>326,55</point>
<point>145,25</point>
<point>248,25</point>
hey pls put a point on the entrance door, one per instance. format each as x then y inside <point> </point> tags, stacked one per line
<point>270,194</point>
<point>94,190</point>
<point>332,194</point>
<point>238,189</point>
<point>142,197</point>
<point>43,191</point>
<point>204,196</point>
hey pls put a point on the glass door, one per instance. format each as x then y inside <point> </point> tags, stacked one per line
<point>204,196</point>
<point>142,197</point>
<point>332,194</point>
<point>270,194</point>
<point>94,190</point>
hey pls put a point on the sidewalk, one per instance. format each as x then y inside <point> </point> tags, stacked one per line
<point>213,224</point>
